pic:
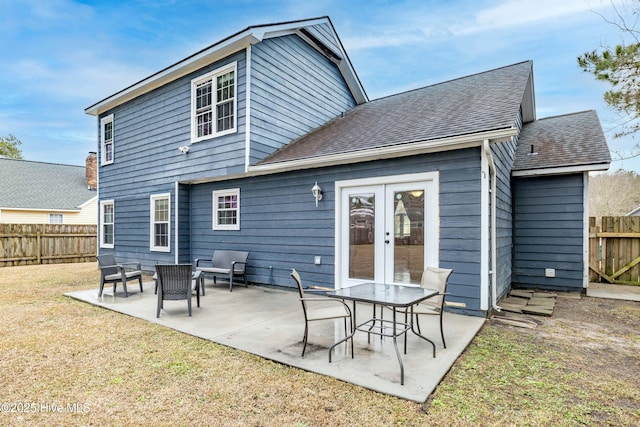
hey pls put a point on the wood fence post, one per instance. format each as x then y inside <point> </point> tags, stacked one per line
<point>38,247</point>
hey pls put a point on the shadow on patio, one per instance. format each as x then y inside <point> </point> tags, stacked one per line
<point>269,323</point>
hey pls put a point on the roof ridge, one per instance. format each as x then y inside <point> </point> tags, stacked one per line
<point>565,115</point>
<point>453,80</point>
<point>41,162</point>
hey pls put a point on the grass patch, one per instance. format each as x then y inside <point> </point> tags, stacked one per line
<point>125,371</point>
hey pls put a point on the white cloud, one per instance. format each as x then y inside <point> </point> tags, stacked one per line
<point>518,13</point>
<point>432,24</point>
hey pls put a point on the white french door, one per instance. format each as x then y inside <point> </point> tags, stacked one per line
<point>388,231</point>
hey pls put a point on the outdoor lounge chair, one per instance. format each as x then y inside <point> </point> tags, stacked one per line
<point>313,312</point>
<point>224,263</point>
<point>112,272</point>
<point>175,283</point>
<point>438,279</point>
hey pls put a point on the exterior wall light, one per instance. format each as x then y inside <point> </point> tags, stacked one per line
<point>184,149</point>
<point>317,192</point>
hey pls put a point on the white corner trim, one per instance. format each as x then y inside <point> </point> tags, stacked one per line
<point>176,244</point>
<point>585,231</point>
<point>247,114</point>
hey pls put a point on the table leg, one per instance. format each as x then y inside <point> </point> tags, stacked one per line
<point>373,324</point>
<point>395,344</point>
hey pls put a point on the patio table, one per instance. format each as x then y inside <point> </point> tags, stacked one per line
<point>394,296</point>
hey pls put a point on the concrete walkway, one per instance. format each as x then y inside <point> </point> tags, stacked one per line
<point>269,323</point>
<point>606,290</point>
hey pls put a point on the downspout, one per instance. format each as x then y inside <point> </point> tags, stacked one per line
<point>493,227</point>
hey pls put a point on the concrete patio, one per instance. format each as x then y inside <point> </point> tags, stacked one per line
<point>269,323</point>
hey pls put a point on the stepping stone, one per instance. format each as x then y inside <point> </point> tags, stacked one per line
<point>543,311</point>
<point>521,293</point>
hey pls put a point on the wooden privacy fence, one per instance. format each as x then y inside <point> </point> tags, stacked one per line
<point>614,250</point>
<point>27,244</point>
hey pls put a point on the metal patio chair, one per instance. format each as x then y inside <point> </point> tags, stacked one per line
<point>313,313</point>
<point>438,279</point>
<point>175,283</point>
<point>113,272</point>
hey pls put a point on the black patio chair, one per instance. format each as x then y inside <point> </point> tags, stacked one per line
<point>313,313</point>
<point>175,283</point>
<point>113,272</point>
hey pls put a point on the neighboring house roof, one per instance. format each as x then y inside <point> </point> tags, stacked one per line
<point>561,144</point>
<point>453,112</point>
<point>43,186</point>
<point>331,47</point>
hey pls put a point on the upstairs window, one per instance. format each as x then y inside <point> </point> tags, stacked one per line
<point>213,103</point>
<point>106,138</point>
<point>226,209</point>
<point>160,224</point>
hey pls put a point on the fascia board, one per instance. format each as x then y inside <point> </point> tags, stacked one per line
<point>82,205</point>
<point>562,170</point>
<point>212,54</point>
<point>193,63</point>
<point>40,209</point>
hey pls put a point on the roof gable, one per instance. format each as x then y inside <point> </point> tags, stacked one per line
<point>572,142</point>
<point>37,185</point>
<point>471,105</point>
<point>318,32</point>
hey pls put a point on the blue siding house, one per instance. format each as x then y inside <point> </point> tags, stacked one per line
<point>222,149</point>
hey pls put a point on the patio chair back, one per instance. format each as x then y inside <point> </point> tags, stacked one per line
<point>104,261</point>
<point>438,279</point>
<point>335,309</point>
<point>174,283</point>
<point>112,272</point>
<point>226,259</point>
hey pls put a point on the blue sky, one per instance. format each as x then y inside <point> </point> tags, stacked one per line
<point>61,56</point>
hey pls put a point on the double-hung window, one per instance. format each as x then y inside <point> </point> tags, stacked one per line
<point>213,103</point>
<point>56,218</point>
<point>160,223</point>
<point>106,138</point>
<point>226,209</point>
<point>107,220</point>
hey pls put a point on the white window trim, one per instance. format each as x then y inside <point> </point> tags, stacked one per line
<point>226,192</point>
<point>152,222</point>
<point>51,215</point>
<point>103,122</point>
<point>212,76</point>
<point>103,203</point>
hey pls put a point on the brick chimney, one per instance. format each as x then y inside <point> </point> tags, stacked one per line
<point>92,170</point>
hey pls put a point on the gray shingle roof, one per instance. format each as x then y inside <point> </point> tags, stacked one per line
<point>481,102</point>
<point>562,141</point>
<point>37,185</point>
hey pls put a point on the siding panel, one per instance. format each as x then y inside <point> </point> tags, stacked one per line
<point>282,228</point>
<point>294,90</point>
<point>549,230</point>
